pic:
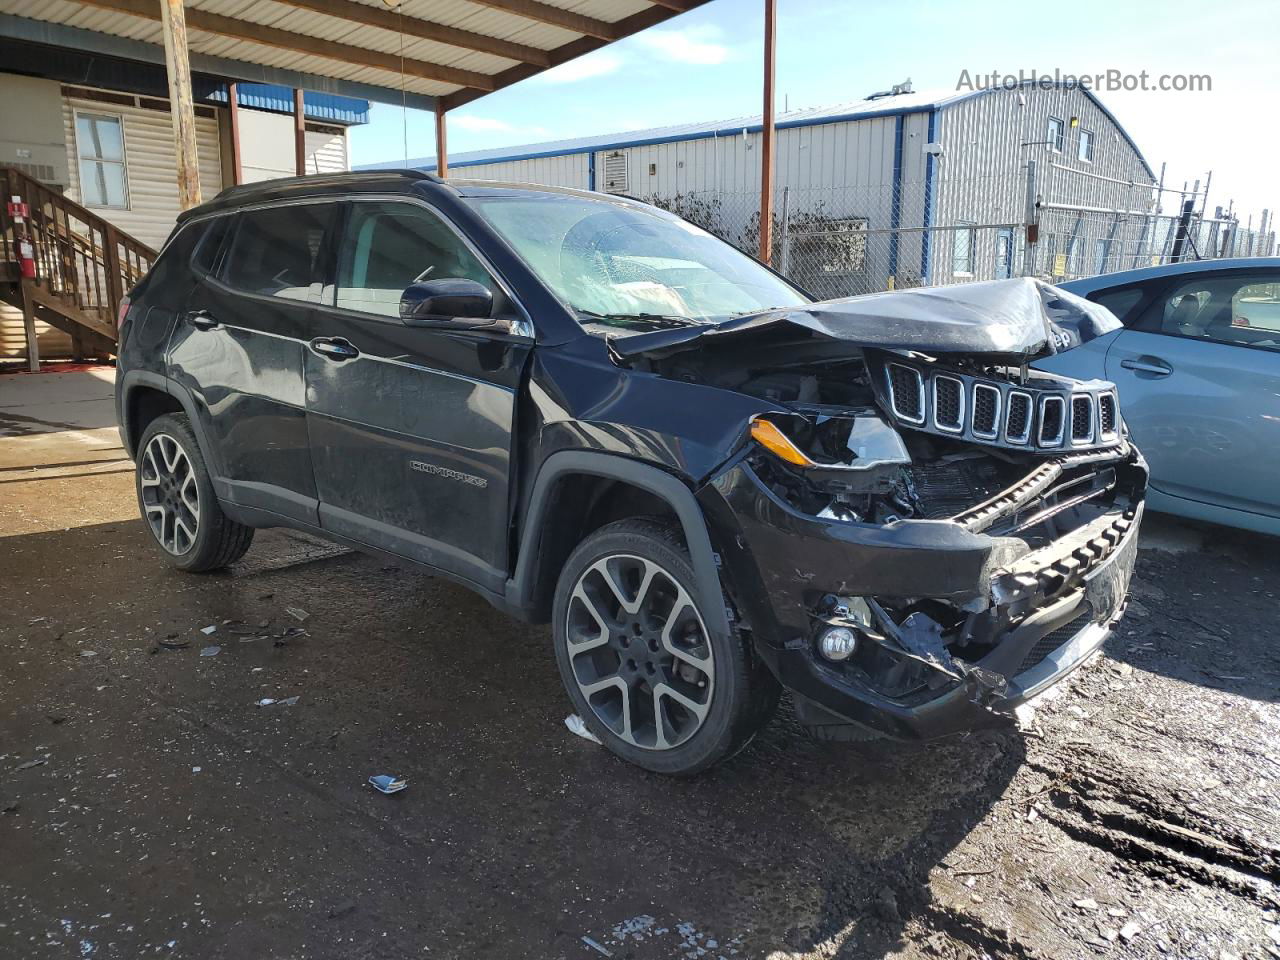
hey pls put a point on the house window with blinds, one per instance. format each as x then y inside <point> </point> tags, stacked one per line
<point>100,150</point>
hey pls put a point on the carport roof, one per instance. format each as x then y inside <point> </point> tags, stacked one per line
<point>451,51</point>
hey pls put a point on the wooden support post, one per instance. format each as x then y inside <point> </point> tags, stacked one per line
<point>442,142</point>
<point>29,327</point>
<point>299,134</point>
<point>233,106</point>
<point>174,23</point>
<point>766,134</point>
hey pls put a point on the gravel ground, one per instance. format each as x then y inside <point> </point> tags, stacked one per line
<point>150,806</point>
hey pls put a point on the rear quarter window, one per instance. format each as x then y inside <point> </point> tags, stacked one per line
<point>1122,302</point>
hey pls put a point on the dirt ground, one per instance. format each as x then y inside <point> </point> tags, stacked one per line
<point>150,807</point>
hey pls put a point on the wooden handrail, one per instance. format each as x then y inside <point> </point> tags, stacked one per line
<point>79,256</point>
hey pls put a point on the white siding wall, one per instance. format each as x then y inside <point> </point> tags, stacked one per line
<point>151,161</point>
<point>326,152</point>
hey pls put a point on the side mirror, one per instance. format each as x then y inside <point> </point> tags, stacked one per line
<point>449,302</point>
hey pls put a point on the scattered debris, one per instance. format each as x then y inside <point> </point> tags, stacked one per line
<point>577,726</point>
<point>297,613</point>
<point>596,947</point>
<point>37,762</point>
<point>266,702</point>
<point>196,769</point>
<point>88,653</point>
<point>174,642</point>
<point>385,784</point>
<point>1130,930</point>
<point>209,630</point>
<point>289,701</point>
<point>1086,903</point>
<point>210,651</point>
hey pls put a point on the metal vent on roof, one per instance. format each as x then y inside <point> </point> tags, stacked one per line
<point>43,172</point>
<point>615,172</point>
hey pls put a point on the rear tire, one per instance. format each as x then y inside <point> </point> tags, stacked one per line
<point>177,502</point>
<point>643,671</point>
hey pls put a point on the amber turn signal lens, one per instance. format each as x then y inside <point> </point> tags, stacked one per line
<point>776,442</point>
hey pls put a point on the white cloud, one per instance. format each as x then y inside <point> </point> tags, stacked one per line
<point>584,68</point>
<point>694,45</point>
<point>484,124</point>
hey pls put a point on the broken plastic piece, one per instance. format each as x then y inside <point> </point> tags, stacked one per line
<point>576,725</point>
<point>591,943</point>
<point>210,651</point>
<point>211,629</point>
<point>386,784</point>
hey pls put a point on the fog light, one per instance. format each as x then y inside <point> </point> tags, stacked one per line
<point>837,643</point>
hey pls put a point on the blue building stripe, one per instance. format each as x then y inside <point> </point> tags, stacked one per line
<point>895,214</point>
<point>930,173</point>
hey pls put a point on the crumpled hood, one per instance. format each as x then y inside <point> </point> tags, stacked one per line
<point>1021,319</point>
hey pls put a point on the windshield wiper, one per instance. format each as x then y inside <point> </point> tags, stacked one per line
<point>643,321</point>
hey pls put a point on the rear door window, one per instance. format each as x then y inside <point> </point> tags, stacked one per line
<point>279,251</point>
<point>1120,302</point>
<point>1241,309</point>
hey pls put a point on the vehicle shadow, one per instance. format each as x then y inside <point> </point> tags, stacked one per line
<point>1202,608</point>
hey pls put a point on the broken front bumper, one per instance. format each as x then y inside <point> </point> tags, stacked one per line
<point>1043,612</point>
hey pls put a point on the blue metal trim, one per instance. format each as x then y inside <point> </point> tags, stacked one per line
<point>895,211</point>
<point>591,170</point>
<point>90,41</point>
<point>427,164</point>
<point>551,150</point>
<point>930,174</point>
<point>279,99</point>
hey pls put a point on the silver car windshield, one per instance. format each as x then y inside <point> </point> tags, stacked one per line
<point>606,259</point>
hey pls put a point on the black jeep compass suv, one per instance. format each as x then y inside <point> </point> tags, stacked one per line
<point>597,415</point>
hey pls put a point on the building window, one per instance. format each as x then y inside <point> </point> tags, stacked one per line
<point>1057,134</point>
<point>962,252</point>
<point>1086,146</point>
<point>104,181</point>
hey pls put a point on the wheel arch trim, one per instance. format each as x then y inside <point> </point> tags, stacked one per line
<point>136,379</point>
<point>665,486</point>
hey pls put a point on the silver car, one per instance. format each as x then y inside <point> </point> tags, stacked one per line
<point>1198,369</point>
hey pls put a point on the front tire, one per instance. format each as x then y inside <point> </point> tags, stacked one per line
<point>643,671</point>
<point>176,499</point>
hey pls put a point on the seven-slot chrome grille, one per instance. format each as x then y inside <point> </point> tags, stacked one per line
<point>1044,414</point>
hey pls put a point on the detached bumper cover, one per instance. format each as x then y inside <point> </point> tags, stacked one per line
<point>1060,601</point>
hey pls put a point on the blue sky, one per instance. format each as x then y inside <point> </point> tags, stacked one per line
<point>705,65</point>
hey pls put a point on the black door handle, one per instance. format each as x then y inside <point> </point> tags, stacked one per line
<point>202,319</point>
<point>335,348</point>
<point>1151,365</point>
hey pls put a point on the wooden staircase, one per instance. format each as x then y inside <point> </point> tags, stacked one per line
<point>84,267</point>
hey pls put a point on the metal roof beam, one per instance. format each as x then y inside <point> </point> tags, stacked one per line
<point>206,22</point>
<point>571,50</point>
<point>425,29</point>
<point>105,47</point>
<point>545,13</point>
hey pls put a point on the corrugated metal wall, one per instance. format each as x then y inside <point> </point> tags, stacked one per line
<point>982,174</point>
<point>569,171</point>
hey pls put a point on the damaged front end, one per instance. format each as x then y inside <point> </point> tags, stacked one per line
<point>919,539</point>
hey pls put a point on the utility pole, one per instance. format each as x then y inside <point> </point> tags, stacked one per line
<point>299,134</point>
<point>442,142</point>
<point>766,133</point>
<point>173,20</point>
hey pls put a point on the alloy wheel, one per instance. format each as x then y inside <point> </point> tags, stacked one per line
<point>640,652</point>
<point>170,494</point>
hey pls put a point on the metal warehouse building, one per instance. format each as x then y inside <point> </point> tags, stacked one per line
<point>898,189</point>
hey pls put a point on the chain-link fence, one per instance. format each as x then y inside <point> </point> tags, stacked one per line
<point>862,238</point>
